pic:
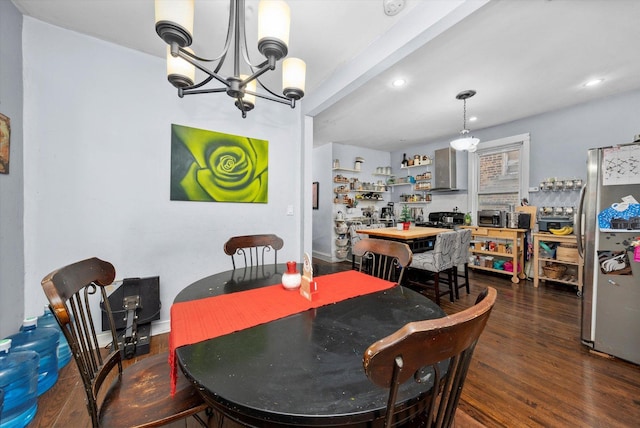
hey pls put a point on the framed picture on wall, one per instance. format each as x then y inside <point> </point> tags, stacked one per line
<point>314,195</point>
<point>5,138</point>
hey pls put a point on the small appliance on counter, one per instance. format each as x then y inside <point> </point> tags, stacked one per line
<point>553,222</point>
<point>492,218</point>
<point>444,219</point>
<point>518,220</point>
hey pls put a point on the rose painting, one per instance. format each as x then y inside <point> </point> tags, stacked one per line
<point>5,137</point>
<point>215,167</point>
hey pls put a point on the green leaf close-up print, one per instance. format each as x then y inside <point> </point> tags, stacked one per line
<point>215,167</point>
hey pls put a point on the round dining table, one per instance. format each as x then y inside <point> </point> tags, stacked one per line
<point>304,369</point>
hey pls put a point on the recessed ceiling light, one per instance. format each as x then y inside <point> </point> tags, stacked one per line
<point>473,119</point>
<point>593,82</point>
<point>398,83</point>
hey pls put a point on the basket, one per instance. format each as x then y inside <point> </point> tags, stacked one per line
<point>342,242</point>
<point>567,253</point>
<point>554,271</point>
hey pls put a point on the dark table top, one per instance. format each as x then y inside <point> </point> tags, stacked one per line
<point>305,369</point>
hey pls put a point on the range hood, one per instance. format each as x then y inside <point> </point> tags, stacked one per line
<point>445,170</point>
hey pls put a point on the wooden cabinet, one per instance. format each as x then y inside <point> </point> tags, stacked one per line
<point>508,246</point>
<point>564,255</point>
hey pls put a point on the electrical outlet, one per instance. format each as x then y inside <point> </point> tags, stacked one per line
<point>534,189</point>
<point>289,209</point>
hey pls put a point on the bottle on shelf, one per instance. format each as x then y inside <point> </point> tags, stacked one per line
<point>405,162</point>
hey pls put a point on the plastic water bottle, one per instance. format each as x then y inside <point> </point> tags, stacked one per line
<point>45,342</point>
<point>64,351</point>
<point>19,382</point>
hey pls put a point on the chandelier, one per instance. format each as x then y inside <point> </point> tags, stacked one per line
<point>174,24</point>
<point>465,141</point>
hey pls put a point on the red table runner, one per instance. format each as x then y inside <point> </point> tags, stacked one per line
<point>199,320</point>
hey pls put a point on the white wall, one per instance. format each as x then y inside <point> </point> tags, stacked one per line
<point>97,167</point>
<point>323,216</point>
<point>11,185</point>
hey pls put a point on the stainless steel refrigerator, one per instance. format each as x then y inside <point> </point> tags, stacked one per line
<point>611,292</point>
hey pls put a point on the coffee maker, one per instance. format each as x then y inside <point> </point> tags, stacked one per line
<point>387,212</point>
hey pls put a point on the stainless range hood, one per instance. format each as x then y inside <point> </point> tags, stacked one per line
<point>445,170</point>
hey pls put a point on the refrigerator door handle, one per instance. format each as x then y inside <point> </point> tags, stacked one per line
<point>578,225</point>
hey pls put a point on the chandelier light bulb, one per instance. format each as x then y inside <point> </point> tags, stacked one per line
<point>180,73</point>
<point>293,77</point>
<point>251,86</point>
<point>174,21</point>
<point>274,18</point>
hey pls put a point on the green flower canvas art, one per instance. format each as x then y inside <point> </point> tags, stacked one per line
<point>215,167</point>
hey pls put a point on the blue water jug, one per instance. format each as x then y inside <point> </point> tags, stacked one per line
<point>64,351</point>
<point>19,382</point>
<point>45,342</point>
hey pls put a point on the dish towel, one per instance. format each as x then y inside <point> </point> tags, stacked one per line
<point>199,320</point>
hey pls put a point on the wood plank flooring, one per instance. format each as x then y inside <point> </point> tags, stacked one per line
<point>529,368</point>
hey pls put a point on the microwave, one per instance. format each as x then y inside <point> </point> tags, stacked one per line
<point>492,218</point>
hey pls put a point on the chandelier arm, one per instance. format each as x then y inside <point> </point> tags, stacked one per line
<point>277,98</point>
<point>192,91</point>
<point>264,67</point>
<point>202,68</point>
<point>242,35</point>
<point>204,82</point>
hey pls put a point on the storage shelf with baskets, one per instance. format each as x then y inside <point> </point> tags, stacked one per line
<point>498,250</point>
<point>556,258</point>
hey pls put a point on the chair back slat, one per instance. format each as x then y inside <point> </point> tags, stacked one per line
<point>253,249</point>
<point>445,345</point>
<point>383,258</point>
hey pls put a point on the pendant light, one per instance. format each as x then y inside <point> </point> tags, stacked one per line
<point>465,141</point>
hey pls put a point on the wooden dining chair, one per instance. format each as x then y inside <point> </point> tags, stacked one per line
<point>253,248</point>
<point>437,351</point>
<point>138,396</point>
<point>382,258</point>
<point>428,266</point>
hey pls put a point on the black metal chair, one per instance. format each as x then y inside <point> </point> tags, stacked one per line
<point>138,396</point>
<point>438,351</point>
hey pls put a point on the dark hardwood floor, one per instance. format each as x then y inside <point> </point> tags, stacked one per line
<point>529,368</point>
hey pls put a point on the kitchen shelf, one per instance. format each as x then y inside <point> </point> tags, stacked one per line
<point>515,238</point>
<point>417,166</point>
<point>346,169</point>
<point>575,267</point>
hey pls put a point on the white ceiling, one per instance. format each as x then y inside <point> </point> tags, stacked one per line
<point>522,57</point>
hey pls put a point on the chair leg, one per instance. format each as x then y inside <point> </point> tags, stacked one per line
<point>436,286</point>
<point>454,269</point>
<point>451,284</point>
<point>466,280</point>
<point>466,277</point>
